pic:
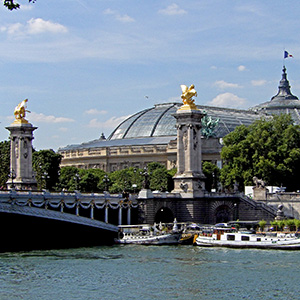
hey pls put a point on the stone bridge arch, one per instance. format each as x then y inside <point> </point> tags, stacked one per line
<point>223,211</point>
<point>164,215</point>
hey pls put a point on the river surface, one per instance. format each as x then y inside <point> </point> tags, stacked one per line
<point>150,272</point>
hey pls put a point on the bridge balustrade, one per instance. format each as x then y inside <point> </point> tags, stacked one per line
<point>72,201</point>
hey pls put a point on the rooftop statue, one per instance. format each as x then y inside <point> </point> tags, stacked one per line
<point>187,94</point>
<point>209,125</point>
<point>259,183</point>
<point>20,112</point>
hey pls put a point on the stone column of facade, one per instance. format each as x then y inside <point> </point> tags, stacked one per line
<point>189,179</point>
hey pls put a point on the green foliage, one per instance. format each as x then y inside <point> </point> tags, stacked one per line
<point>278,225</point>
<point>212,174</point>
<point>88,181</point>
<point>69,179</point>
<point>297,224</point>
<point>267,149</point>
<point>154,166</point>
<point>171,174</point>
<point>121,180</point>
<point>4,162</point>
<point>159,179</point>
<point>262,224</point>
<point>290,223</point>
<point>46,166</point>
<point>12,4</point>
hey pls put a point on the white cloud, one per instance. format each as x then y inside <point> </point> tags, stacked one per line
<point>122,18</point>
<point>110,123</point>
<point>224,85</point>
<point>258,82</point>
<point>228,100</point>
<point>34,117</point>
<point>172,10</point>
<point>95,111</point>
<point>12,29</point>
<point>241,68</point>
<point>36,26</point>
<point>33,27</point>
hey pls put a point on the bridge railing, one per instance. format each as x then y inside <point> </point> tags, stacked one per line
<point>75,201</point>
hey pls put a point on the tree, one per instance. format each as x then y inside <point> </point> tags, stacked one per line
<point>212,174</point>
<point>171,174</point>
<point>268,149</point>
<point>121,180</point>
<point>4,162</point>
<point>68,178</point>
<point>262,225</point>
<point>46,166</point>
<point>88,181</point>
<point>160,178</point>
<point>12,4</point>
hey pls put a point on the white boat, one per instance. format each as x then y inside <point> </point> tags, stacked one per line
<point>148,235</point>
<point>230,237</point>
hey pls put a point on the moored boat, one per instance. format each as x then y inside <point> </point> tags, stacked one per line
<point>230,237</point>
<point>148,235</point>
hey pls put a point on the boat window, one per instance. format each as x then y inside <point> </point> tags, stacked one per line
<point>258,239</point>
<point>230,237</point>
<point>245,238</point>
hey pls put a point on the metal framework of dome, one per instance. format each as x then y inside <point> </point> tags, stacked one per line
<point>159,121</point>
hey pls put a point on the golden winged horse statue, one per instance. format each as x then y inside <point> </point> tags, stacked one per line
<point>20,111</point>
<point>187,96</point>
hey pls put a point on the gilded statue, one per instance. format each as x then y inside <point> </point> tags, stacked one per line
<point>20,112</point>
<point>187,96</point>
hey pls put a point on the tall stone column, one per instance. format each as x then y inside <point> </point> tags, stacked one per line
<point>189,179</point>
<point>21,136</point>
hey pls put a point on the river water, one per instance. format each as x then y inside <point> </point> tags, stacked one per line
<point>150,272</point>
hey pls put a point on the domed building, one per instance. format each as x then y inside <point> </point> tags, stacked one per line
<point>283,102</point>
<point>150,135</point>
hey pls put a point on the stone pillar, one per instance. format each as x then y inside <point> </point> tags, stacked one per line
<point>189,180</point>
<point>21,173</point>
<point>129,215</point>
<point>259,193</point>
<point>120,215</point>
<point>106,214</point>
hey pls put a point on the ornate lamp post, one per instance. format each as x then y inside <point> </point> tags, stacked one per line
<point>45,178</point>
<point>12,176</point>
<point>106,182</point>
<point>76,179</point>
<point>146,174</point>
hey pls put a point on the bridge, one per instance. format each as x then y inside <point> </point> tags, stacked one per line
<point>43,220</point>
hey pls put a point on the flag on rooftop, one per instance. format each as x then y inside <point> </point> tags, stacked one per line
<point>286,55</point>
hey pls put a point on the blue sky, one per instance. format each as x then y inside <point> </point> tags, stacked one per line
<point>87,65</point>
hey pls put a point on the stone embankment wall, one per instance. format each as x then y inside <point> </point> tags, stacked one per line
<point>290,202</point>
<point>207,210</point>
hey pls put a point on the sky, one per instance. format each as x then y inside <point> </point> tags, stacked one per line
<point>85,66</point>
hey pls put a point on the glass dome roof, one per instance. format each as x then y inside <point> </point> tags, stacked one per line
<point>159,121</point>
